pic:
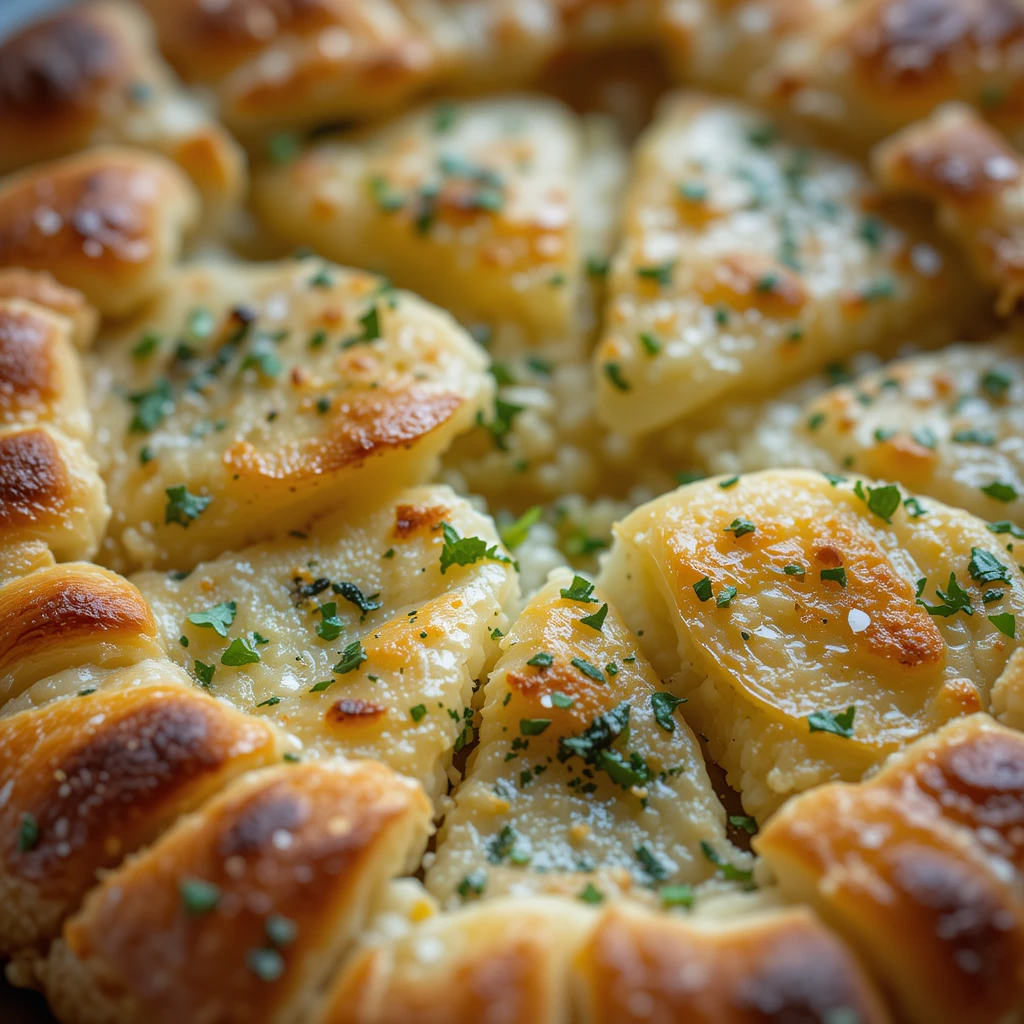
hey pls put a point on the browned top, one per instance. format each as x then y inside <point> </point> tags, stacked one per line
<point>953,158</point>
<point>30,375</point>
<point>368,424</point>
<point>35,486</point>
<point>916,46</point>
<point>307,843</point>
<point>104,773</point>
<point>784,967</point>
<point>411,520</point>
<point>58,66</point>
<point>57,610</point>
<point>44,290</point>
<point>101,211</point>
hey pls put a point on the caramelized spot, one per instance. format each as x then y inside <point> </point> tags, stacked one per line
<point>251,832</point>
<point>743,282</point>
<point>352,711</point>
<point>413,519</point>
<point>34,480</point>
<point>58,65</point>
<point>368,424</point>
<point>590,698</point>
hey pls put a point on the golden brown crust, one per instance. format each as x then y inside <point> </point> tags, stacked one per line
<point>50,491</point>
<point>40,374</point>
<point>41,289</point>
<point>108,222</point>
<point>782,966</point>
<point>97,776</point>
<point>70,615</point>
<point>933,906</point>
<point>90,73</point>
<point>368,424</point>
<point>296,855</point>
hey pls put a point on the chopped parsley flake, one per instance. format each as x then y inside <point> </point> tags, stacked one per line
<point>541,660</point>
<point>218,618</point>
<point>1005,623</point>
<point>651,863</point>
<point>739,526</point>
<point>562,700</point>
<point>151,407</point>
<point>580,589</point>
<point>418,712</point>
<point>984,567</point>
<point>533,726</point>
<point>728,482</point>
<point>744,823</point>
<point>204,672</point>
<point>954,599</point>
<point>596,620</point>
<point>839,723</point>
<point>472,885</point>
<point>459,550</point>
<point>838,575</point>
<point>725,596</point>
<point>676,895</point>
<point>266,964</point>
<point>883,501</point>
<point>591,671</point>
<point>660,273</point>
<point>702,588</point>
<point>664,705</point>
<point>28,834</point>
<point>351,658</point>
<point>1000,491</point>
<point>513,534</point>
<point>729,872</point>
<point>351,593</point>
<point>794,570</point>
<point>330,627</point>
<point>1005,526</point>
<point>591,894</point>
<point>183,507</point>
<point>198,896</point>
<point>613,372</point>
<point>239,652</point>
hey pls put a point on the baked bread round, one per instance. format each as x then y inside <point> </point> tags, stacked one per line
<point>506,568</point>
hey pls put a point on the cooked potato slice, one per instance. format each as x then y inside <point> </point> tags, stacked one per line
<point>108,221</point>
<point>771,964</point>
<point>91,73</point>
<point>815,624</point>
<point>586,779</point>
<point>475,205</point>
<point>362,639</point>
<point>921,868</point>
<point>949,425</point>
<point>245,908</point>
<point>252,398</point>
<point>748,262</point>
<point>958,162</point>
<point>92,779</point>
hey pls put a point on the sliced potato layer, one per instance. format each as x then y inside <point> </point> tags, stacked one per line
<point>364,639</point>
<point>815,624</point>
<point>586,778</point>
<point>749,261</point>
<point>252,398</point>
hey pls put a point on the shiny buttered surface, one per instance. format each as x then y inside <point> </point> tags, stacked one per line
<point>501,568</point>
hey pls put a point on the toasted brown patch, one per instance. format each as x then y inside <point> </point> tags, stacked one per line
<point>34,482</point>
<point>66,604</point>
<point>28,374</point>
<point>590,698</point>
<point>413,519</point>
<point>787,967</point>
<point>741,282</point>
<point>913,46</point>
<point>366,425</point>
<point>353,711</point>
<point>956,160</point>
<point>57,67</point>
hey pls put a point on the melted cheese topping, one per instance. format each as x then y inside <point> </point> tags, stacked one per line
<point>748,261</point>
<point>829,613</point>
<point>586,775</point>
<point>420,636</point>
<point>271,394</point>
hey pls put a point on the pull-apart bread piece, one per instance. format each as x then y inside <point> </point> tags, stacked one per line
<point>91,74</point>
<point>243,910</point>
<point>976,180</point>
<point>250,399</point>
<point>948,425</point>
<point>364,638</point>
<point>921,869</point>
<point>857,72</point>
<point>51,494</point>
<point>109,221</point>
<point>43,289</point>
<point>92,778</point>
<point>480,206</point>
<point>586,777</point>
<point>547,961</point>
<point>814,624</point>
<point>749,261</point>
